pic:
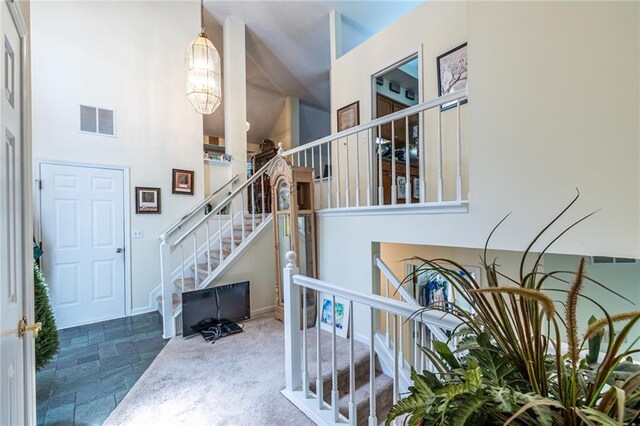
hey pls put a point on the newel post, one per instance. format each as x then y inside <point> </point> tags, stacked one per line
<point>168,322</point>
<point>292,355</point>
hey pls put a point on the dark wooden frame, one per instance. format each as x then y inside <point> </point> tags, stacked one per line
<point>174,189</point>
<point>144,188</point>
<point>445,54</point>
<point>356,107</point>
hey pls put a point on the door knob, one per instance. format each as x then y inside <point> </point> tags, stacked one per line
<point>23,327</point>
<point>119,250</point>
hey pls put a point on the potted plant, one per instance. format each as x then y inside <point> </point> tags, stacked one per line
<point>509,365</point>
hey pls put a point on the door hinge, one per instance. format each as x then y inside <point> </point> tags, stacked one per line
<point>39,184</point>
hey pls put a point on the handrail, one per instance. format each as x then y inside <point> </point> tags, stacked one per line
<point>429,317</point>
<point>460,94</point>
<point>396,282</point>
<point>171,229</point>
<point>225,201</point>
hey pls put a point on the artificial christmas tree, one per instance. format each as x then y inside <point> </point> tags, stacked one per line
<point>47,341</point>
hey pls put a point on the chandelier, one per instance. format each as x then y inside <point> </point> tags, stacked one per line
<point>202,67</point>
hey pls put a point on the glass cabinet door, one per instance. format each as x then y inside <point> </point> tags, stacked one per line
<point>284,245</point>
<point>305,245</point>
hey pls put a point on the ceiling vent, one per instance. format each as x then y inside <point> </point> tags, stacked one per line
<point>97,121</point>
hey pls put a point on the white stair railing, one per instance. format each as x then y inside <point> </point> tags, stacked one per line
<point>353,165</point>
<point>191,213</point>
<point>297,383</point>
<point>194,259</point>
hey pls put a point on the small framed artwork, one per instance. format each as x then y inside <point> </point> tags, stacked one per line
<point>402,187</point>
<point>147,200</point>
<point>410,94</point>
<point>452,73</point>
<point>394,87</point>
<point>432,288</point>
<point>416,188</point>
<point>182,182</point>
<point>342,315</point>
<point>380,81</point>
<point>349,116</point>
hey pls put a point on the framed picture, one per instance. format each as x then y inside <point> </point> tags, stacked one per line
<point>452,73</point>
<point>349,116</point>
<point>394,87</point>
<point>147,200</point>
<point>342,315</point>
<point>402,187</point>
<point>432,288</point>
<point>380,81</point>
<point>182,182</point>
<point>410,94</point>
<point>416,188</point>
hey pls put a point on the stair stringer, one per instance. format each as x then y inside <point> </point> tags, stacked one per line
<point>385,359</point>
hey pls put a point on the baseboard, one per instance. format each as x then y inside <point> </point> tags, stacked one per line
<point>143,310</point>
<point>261,312</point>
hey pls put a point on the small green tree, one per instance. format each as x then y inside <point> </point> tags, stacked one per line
<point>47,341</point>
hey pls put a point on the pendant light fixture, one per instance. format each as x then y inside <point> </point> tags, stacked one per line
<point>202,66</point>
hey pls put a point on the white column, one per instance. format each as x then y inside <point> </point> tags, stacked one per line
<point>235,95</point>
<point>335,32</point>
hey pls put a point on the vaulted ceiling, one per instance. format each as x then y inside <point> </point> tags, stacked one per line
<point>288,49</point>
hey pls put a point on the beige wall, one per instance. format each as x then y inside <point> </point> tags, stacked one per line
<point>544,117</point>
<point>533,129</point>
<point>128,57</point>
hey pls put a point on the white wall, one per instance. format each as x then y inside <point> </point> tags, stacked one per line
<point>624,279</point>
<point>128,57</point>
<point>314,123</point>
<point>545,115</point>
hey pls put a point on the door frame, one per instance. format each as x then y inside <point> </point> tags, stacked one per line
<point>126,193</point>
<point>408,55</point>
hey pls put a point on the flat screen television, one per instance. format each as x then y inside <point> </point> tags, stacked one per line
<point>204,308</point>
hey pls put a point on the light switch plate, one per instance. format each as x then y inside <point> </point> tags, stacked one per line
<point>137,233</point>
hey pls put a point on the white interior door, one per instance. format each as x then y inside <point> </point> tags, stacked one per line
<point>82,216</point>
<point>16,355</point>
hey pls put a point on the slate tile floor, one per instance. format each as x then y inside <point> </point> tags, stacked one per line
<point>95,368</point>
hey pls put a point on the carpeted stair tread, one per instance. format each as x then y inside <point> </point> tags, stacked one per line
<point>361,357</point>
<point>384,399</point>
<point>176,299</point>
<point>189,284</point>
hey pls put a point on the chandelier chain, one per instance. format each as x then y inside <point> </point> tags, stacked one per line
<point>202,16</point>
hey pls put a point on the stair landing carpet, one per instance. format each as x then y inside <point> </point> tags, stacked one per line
<point>235,381</point>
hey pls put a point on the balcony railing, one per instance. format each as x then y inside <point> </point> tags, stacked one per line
<point>413,156</point>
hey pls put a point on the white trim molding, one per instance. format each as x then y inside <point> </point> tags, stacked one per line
<point>399,209</point>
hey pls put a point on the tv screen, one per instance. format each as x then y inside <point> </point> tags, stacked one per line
<point>204,308</point>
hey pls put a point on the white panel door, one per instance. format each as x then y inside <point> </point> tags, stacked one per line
<point>15,353</point>
<point>82,216</point>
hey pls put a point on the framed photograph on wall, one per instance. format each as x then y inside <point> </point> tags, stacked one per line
<point>342,315</point>
<point>147,200</point>
<point>349,116</point>
<point>182,182</point>
<point>402,187</point>
<point>432,288</point>
<point>452,73</point>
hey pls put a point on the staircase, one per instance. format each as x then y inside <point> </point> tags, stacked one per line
<point>196,257</point>
<point>211,266</point>
<point>383,383</point>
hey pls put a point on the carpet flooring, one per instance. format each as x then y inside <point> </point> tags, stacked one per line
<point>235,381</point>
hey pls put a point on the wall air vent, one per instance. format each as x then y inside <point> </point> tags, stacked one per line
<point>97,121</point>
<point>605,260</point>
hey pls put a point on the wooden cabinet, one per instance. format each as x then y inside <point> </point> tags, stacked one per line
<point>400,181</point>
<point>262,187</point>
<point>386,106</point>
